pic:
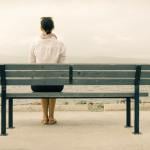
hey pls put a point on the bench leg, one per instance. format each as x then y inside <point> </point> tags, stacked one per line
<point>128,112</point>
<point>136,115</point>
<point>3,116</point>
<point>10,113</point>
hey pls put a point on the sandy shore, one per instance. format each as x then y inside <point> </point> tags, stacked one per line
<point>78,130</point>
<point>88,106</point>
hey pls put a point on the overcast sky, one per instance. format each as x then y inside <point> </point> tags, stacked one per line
<point>88,28</point>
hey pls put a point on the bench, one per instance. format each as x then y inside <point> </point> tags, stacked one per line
<point>73,74</point>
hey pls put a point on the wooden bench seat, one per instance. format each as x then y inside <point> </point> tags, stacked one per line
<point>71,95</point>
<point>74,75</point>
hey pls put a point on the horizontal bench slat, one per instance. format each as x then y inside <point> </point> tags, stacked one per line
<point>55,73</point>
<point>113,74</point>
<point>75,66</point>
<point>145,74</point>
<point>66,66</point>
<point>145,82</point>
<point>37,81</point>
<point>103,67</point>
<point>71,95</point>
<point>66,82</point>
<point>145,67</point>
<point>75,82</point>
<point>37,67</point>
<point>103,81</point>
<point>37,73</point>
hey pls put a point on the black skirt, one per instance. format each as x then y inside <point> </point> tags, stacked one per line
<point>47,88</point>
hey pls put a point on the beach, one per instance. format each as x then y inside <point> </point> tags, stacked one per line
<point>76,130</point>
<point>98,32</point>
<point>83,124</point>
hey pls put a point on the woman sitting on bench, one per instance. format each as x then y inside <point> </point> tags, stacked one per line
<point>47,50</point>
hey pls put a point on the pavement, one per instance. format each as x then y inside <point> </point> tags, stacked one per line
<point>76,130</point>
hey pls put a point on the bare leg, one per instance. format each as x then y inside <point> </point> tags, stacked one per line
<point>52,102</point>
<point>45,103</point>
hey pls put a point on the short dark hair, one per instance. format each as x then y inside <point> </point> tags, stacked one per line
<point>47,24</point>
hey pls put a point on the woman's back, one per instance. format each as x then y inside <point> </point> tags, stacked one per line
<point>47,49</point>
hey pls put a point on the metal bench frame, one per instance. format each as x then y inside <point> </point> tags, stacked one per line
<point>127,96</point>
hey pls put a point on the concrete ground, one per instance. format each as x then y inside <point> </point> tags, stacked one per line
<point>76,130</point>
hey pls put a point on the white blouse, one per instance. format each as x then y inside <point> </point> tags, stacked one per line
<point>47,49</point>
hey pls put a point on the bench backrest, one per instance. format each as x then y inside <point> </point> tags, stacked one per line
<point>76,74</point>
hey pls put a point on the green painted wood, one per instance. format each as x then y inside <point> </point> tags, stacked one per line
<point>109,74</point>
<point>33,73</point>
<point>103,81</point>
<point>56,81</point>
<point>103,67</point>
<point>37,67</point>
<point>53,81</point>
<point>145,74</point>
<point>145,82</point>
<point>71,95</point>
<point>66,66</point>
<point>55,73</point>
<point>101,73</point>
<point>146,67</point>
